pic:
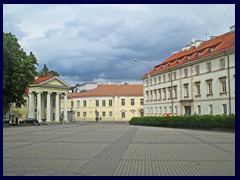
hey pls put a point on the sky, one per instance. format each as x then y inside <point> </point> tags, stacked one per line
<point>98,42</point>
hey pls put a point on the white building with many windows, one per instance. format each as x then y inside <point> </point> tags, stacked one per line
<point>200,79</point>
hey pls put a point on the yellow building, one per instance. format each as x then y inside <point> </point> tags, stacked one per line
<point>43,100</point>
<point>110,102</point>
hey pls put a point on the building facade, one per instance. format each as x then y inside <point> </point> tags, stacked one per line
<point>43,100</point>
<point>200,79</point>
<point>110,102</point>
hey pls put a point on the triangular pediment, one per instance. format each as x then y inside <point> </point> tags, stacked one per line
<point>52,82</point>
<point>55,82</point>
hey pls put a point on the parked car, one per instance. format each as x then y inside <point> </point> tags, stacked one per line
<point>31,121</point>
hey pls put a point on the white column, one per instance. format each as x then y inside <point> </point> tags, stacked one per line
<point>49,106</point>
<point>57,111</point>
<point>31,105</point>
<point>65,118</point>
<point>43,106</point>
<point>39,107</point>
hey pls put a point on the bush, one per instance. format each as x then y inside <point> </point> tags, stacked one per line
<point>195,121</point>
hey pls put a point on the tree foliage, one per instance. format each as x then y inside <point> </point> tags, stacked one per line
<point>46,72</point>
<point>19,71</point>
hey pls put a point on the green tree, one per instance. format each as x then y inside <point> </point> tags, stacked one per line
<point>46,72</point>
<point>19,71</point>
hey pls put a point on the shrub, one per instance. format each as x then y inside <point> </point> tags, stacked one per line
<point>195,121</point>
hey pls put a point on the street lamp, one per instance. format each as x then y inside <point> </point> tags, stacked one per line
<point>149,81</point>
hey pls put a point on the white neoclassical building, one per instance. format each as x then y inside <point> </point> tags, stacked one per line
<point>44,96</point>
<point>199,79</point>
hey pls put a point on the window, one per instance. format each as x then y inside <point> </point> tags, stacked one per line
<point>84,114</point>
<point>123,114</point>
<point>209,67</point>
<point>170,109</point>
<point>155,110</point>
<point>174,75</point>
<point>160,110</point>
<point>78,103</point>
<point>224,108</point>
<point>169,93</point>
<point>223,85</point>
<point>186,91</point>
<point>123,102</point>
<point>222,63</point>
<point>110,113</point>
<point>198,89</point>
<point>72,104</point>
<point>199,53</point>
<point>110,102</point>
<point>198,109</point>
<point>188,57</point>
<point>141,101</point>
<point>103,102</point>
<point>160,94</point>
<point>97,103</point>
<point>103,114</point>
<point>78,114</point>
<point>175,91</point>
<point>164,94</point>
<point>164,78</point>
<point>185,72</point>
<point>211,109</point>
<point>169,76</point>
<point>209,87</point>
<point>197,70</point>
<point>159,79</point>
<point>132,102</point>
<point>176,110</point>
<point>165,109</point>
<point>84,103</point>
<point>155,80</point>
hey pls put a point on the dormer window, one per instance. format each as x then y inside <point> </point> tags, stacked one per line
<point>211,49</point>
<point>170,63</point>
<point>188,57</point>
<point>163,66</point>
<point>179,60</point>
<point>199,53</point>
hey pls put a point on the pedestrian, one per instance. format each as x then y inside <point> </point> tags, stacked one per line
<point>96,119</point>
<point>100,119</point>
<point>16,121</point>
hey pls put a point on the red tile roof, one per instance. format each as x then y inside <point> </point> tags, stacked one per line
<point>111,90</point>
<point>42,79</point>
<point>220,44</point>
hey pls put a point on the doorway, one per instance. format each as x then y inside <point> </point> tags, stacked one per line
<point>187,110</point>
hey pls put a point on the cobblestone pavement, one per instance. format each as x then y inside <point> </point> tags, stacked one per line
<point>108,149</point>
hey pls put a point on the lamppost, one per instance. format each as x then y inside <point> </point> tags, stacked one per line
<point>149,84</point>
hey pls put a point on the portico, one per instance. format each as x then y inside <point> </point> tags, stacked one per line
<point>44,99</point>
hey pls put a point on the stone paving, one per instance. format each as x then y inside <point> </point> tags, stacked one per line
<point>111,149</point>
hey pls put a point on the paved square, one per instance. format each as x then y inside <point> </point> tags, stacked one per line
<point>108,149</point>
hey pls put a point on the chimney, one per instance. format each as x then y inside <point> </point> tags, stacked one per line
<point>232,28</point>
<point>197,43</point>
<point>212,37</point>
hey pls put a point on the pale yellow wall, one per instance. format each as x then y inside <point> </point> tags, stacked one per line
<point>115,108</point>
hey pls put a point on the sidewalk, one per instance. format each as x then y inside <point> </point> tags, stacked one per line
<point>108,149</point>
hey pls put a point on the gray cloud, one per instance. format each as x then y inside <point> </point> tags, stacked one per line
<point>98,42</point>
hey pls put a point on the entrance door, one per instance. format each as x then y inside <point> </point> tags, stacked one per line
<point>187,110</point>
